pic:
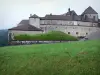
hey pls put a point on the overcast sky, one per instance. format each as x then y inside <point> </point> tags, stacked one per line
<point>13,11</point>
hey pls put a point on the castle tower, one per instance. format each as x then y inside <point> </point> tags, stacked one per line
<point>90,13</point>
<point>34,20</point>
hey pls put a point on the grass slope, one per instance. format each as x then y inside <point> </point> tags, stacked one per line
<point>76,58</point>
<point>52,36</point>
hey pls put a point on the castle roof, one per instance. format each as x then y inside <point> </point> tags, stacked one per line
<point>89,10</point>
<point>24,22</point>
<point>26,27</point>
<point>60,17</point>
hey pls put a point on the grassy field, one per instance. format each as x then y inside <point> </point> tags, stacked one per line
<point>76,58</point>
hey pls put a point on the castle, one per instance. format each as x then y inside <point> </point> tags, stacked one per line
<point>70,23</point>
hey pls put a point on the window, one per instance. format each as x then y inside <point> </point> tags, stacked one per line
<point>94,18</point>
<point>56,27</point>
<point>89,29</point>
<point>77,33</point>
<point>74,27</point>
<point>45,28</point>
<point>68,32</point>
<point>41,27</point>
<point>70,23</point>
<point>86,33</point>
<point>85,17</point>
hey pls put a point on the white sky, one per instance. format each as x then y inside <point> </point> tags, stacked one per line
<point>13,11</point>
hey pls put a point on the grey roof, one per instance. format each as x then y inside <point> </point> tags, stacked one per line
<point>60,17</point>
<point>89,10</point>
<point>69,16</point>
<point>24,22</point>
<point>57,17</point>
<point>34,16</point>
<point>26,27</point>
<point>77,18</point>
<point>70,13</point>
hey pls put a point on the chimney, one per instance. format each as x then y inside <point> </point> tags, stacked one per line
<point>30,15</point>
<point>69,10</point>
<point>50,14</point>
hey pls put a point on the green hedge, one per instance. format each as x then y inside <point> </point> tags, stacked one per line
<point>51,36</point>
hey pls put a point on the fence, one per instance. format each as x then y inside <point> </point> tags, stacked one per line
<point>34,42</point>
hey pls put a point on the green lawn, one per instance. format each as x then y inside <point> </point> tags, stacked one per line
<point>76,58</point>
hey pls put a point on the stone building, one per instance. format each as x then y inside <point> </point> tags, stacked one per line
<point>70,23</point>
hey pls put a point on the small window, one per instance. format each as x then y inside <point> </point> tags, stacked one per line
<point>68,32</point>
<point>75,27</point>
<point>85,17</point>
<point>77,33</point>
<point>70,23</point>
<point>89,29</point>
<point>93,17</point>
<point>42,27</point>
<point>86,33</point>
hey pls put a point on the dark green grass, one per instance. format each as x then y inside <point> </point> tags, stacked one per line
<point>76,58</point>
<point>50,36</point>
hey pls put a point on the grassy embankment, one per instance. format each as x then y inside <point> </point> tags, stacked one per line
<point>50,36</point>
<point>75,58</point>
